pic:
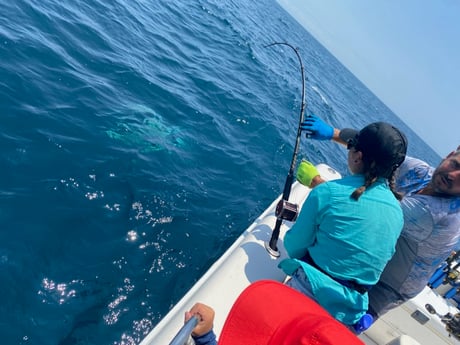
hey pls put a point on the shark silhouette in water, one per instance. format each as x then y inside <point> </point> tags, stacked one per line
<point>145,129</point>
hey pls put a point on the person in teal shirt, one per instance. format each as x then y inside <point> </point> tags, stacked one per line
<point>347,229</point>
<point>431,208</point>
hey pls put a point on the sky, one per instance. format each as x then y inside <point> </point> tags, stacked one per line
<point>407,52</point>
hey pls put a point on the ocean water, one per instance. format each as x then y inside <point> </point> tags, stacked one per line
<point>138,140</point>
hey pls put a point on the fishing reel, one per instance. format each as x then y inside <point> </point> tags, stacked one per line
<point>452,321</point>
<point>286,210</point>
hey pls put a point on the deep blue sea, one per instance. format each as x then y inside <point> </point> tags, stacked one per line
<point>138,140</point>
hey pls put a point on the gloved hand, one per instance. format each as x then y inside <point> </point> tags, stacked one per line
<point>306,173</point>
<point>317,128</point>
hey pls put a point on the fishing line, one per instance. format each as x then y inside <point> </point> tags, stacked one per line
<point>286,210</point>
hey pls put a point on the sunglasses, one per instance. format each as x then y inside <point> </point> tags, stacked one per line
<point>351,143</point>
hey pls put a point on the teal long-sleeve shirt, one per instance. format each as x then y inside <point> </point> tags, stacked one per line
<point>349,239</point>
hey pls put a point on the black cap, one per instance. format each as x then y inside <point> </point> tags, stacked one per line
<point>379,142</point>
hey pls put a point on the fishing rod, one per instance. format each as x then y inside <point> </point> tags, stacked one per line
<point>184,333</point>
<point>284,209</point>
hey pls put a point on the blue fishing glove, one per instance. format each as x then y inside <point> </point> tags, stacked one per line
<point>317,128</point>
<point>306,173</point>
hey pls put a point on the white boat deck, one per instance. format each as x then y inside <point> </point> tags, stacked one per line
<point>412,318</point>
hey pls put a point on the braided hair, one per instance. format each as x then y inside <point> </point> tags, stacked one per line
<point>371,174</point>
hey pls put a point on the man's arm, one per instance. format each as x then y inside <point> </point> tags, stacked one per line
<point>337,138</point>
<point>315,128</point>
<point>202,334</point>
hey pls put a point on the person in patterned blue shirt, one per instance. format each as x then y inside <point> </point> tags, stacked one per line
<point>431,207</point>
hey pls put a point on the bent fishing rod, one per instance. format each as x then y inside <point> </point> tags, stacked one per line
<point>284,209</point>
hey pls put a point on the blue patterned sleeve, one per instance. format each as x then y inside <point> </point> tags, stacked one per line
<point>206,339</point>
